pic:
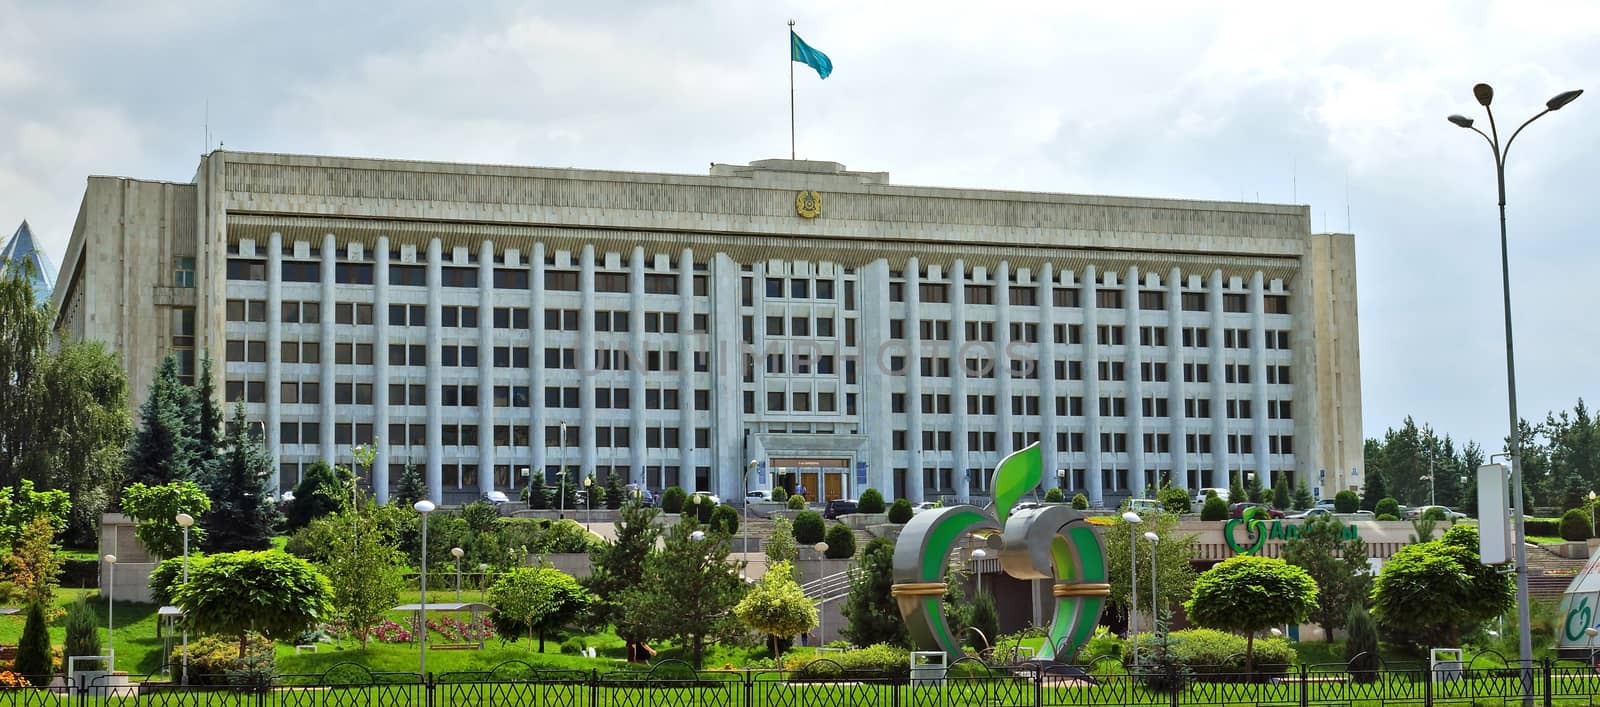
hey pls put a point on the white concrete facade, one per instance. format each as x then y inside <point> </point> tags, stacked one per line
<point>682,326</point>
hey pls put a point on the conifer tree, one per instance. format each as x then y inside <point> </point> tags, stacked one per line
<point>619,565</point>
<point>242,512</point>
<point>206,432</point>
<point>870,611</point>
<point>411,488</point>
<point>163,451</point>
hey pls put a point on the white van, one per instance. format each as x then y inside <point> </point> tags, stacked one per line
<point>1200,497</point>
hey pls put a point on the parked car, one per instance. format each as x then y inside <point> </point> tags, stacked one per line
<point>645,495</point>
<point>757,496</point>
<point>924,506</point>
<point>1237,510</point>
<point>496,497</point>
<point>839,507</point>
<point>1415,513</point>
<point>1145,505</point>
<point>1200,497</point>
<point>705,497</point>
<point>1326,504</point>
<point>1310,514</point>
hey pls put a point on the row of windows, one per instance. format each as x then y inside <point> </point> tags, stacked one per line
<point>614,282</point>
<point>1105,298</point>
<point>245,269</point>
<point>798,289</point>
<point>1110,442</point>
<point>1109,406</point>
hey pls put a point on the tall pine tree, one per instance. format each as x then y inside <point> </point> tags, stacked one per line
<point>411,487</point>
<point>163,451</point>
<point>206,420</point>
<point>242,512</point>
<point>618,565</point>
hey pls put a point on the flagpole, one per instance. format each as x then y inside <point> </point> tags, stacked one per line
<point>791,90</point>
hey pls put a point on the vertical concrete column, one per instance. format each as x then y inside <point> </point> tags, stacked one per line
<point>877,387</point>
<point>380,370</point>
<point>486,411</point>
<point>1137,477</point>
<point>727,369</point>
<point>691,343</point>
<point>1180,452</point>
<point>330,312</point>
<point>274,357</point>
<point>958,379</point>
<point>1091,385</point>
<point>1002,359</point>
<point>434,437</point>
<point>636,365</point>
<point>1219,389</point>
<point>587,371</point>
<point>913,372</point>
<point>1049,387</point>
<point>1258,378</point>
<point>538,416</point>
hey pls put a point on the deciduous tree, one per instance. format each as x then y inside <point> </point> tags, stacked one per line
<point>689,589</point>
<point>362,561</point>
<point>1174,551</point>
<point>537,600</point>
<point>154,510</point>
<point>270,592</point>
<point>1431,593</point>
<point>1250,594</point>
<point>776,606</point>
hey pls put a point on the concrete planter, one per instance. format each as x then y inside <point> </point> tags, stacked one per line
<point>886,530</point>
<point>573,563</point>
<point>768,509</point>
<point>785,513</point>
<point>862,521</point>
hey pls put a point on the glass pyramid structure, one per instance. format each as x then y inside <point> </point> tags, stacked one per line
<point>22,251</point>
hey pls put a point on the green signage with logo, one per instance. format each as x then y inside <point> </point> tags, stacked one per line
<point>1257,532</point>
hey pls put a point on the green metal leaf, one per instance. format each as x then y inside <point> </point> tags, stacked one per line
<point>1018,473</point>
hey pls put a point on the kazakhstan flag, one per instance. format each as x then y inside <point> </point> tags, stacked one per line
<point>803,53</point>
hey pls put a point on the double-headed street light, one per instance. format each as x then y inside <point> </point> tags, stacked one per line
<point>1133,519</point>
<point>1485,95</point>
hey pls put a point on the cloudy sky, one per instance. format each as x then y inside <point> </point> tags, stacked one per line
<point>1339,106</point>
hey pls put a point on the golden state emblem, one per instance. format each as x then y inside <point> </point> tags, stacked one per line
<point>808,204</point>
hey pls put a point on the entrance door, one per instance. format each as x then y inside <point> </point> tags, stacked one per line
<point>834,483</point>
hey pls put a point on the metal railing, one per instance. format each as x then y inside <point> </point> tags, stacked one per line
<point>824,683</point>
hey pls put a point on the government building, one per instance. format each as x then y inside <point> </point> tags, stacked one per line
<point>783,323</point>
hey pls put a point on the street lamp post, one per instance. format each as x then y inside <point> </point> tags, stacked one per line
<point>562,491</point>
<point>1155,597</point>
<point>423,507</point>
<point>744,540</point>
<point>979,554</point>
<point>1485,95</point>
<point>185,520</point>
<point>457,552</point>
<point>1133,519</point>
<point>588,500</point>
<point>822,611</point>
<point>111,600</point>
<point>483,580</point>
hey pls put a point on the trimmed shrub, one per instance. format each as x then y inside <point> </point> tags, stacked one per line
<point>1174,499</point>
<point>573,646</point>
<point>1387,506</point>
<point>1434,514</point>
<point>986,619</point>
<point>1214,509</point>
<point>879,661</point>
<point>1054,495</point>
<point>808,527</point>
<point>725,519</point>
<point>214,660</point>
<point>871,502</point>
<point>1346,501</point>
<point>1544,527</point>
<point>1080,502</point>
<point>33,649</point>
<point>1575,525</point>
<point>841,543</point>
<point>900,511</point>
<point>797,502</point>
<point>779,495</point>
<point>672,500</point>
<point>1207,651</point>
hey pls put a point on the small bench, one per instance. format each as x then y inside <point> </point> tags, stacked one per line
<point>453,646</point>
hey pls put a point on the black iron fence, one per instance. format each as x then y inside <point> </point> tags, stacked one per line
<point>965,684</point>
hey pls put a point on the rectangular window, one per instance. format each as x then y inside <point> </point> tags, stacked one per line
<point>1108,299</point>
<point>241,269</point>
<point>183,272</point>
<point>353,273</point>
<point>1235,302</point>
<point>408,275</point>
<point>302,271</point>
<point>1024,296</point>
<point>1152,300</point>
<point>510,279</point>
<point>458,277</point>
<point>1194,301</point>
